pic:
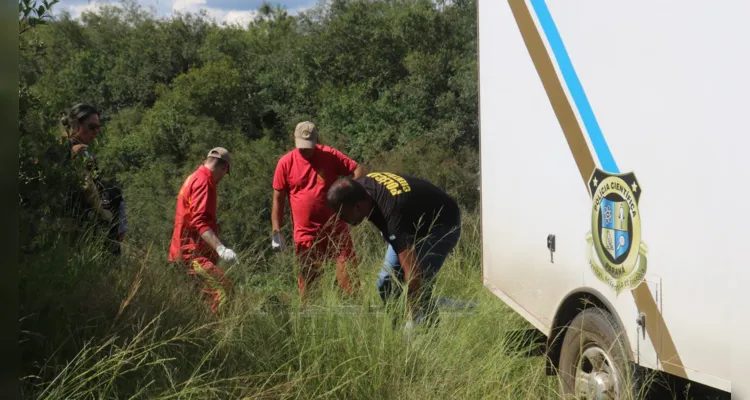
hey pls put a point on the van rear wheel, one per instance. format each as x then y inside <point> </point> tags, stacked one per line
<point>594,361</point>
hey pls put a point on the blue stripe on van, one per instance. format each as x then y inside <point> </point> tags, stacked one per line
<point>575,88</point>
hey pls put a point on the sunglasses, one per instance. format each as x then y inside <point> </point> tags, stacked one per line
<point>93,126</point>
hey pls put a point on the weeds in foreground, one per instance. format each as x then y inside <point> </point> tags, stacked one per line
<point>137,328</point>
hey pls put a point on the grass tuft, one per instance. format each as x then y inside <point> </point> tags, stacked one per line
<point>137,328</point>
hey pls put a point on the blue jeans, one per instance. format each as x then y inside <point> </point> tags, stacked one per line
<point>431,253</point>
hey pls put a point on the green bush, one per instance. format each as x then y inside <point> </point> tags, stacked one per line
<point>391,83</point>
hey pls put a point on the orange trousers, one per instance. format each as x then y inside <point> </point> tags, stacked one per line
<point>216,286</point>
<point>312,253</point>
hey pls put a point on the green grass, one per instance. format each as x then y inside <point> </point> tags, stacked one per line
<point>99,328</point>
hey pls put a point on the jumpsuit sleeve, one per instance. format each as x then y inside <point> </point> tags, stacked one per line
<point>201,204</point>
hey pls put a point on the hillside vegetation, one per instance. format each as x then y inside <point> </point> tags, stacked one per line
<point>392,83</point>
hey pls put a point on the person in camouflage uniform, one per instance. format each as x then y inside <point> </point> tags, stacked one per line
<point>97,198</point>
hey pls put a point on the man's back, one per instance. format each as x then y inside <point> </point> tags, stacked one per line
<point>307,181</point>
<point>408,208</point>
<point>195,213</point>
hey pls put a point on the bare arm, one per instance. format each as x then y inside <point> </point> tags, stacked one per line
<point>210,237</point>
<point>277,209</point>
<point>358,172</point>
<point>413,277</point>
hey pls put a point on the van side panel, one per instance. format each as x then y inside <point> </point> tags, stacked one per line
<point>666,82</point>
<point>655,74</point>
<point>530,188</point>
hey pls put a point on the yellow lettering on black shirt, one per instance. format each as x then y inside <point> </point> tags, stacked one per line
<point>392,182</point>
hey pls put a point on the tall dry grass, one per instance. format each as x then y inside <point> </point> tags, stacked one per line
<point>135,327</point>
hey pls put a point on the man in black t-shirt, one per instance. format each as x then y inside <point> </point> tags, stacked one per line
<point>420,222</point>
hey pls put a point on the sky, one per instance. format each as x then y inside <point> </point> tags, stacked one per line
<point>229,11</point>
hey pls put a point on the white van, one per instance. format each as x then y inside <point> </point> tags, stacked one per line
<point>611,135</point>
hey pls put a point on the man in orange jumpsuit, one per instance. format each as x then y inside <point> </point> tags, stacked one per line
<point>304,175</point>
<point>195,241</point>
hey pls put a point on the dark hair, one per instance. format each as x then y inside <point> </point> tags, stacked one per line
<point>345,192</point>
<point>76,116</point>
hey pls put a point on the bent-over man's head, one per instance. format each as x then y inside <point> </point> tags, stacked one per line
<point>350,200</point>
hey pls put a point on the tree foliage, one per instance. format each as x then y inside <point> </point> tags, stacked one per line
<point>392,83</point>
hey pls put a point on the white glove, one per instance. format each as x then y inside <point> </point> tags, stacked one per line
<point>226,254</point>
<point>277,243</point>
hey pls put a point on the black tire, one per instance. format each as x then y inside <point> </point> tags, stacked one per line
<point>596,332</point>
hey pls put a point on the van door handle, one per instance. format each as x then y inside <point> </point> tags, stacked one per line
<point>551,247</point>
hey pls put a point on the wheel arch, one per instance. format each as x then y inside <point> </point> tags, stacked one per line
<point>574,303</point>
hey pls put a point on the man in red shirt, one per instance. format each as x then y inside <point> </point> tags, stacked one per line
<point>304,175</point>
<point>195,241</point>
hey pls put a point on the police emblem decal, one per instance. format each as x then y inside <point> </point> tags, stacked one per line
<point>617,255</point>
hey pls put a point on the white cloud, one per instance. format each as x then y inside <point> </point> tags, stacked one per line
<point>296,11</point>
<point>166,8</point>
<point>230,17</point>
<point>188,6</point>
<point>241,17</point>
<point>310,5</point>
<point>76,10</point>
